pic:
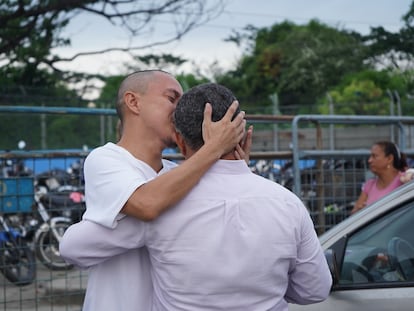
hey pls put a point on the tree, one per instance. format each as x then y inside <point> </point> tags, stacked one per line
<point>297,62</point>
<point>394,51</point>
<point>390,57</point>
<point>29,75</point>
<point>369,92</point>
<point>29,30</point>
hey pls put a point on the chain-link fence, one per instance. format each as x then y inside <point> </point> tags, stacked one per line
<point>322,160</point>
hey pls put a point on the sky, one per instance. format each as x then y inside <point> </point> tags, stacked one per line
<point>205,45</point>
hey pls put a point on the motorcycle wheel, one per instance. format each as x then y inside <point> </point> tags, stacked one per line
<point>47,248</point>
<point>17,261</point>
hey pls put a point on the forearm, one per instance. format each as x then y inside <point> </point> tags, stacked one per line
<point>154,197</point>
<point>157,195</point>
<point>86,243</point>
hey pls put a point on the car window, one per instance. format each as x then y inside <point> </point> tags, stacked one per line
<point>382,251</point>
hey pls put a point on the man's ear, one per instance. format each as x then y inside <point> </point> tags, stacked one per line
<point>132,101</point>
<point>179,140</point>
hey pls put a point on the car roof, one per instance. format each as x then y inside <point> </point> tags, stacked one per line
<point>367,214</point>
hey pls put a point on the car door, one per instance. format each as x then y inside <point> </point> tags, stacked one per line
<point>376,265</point>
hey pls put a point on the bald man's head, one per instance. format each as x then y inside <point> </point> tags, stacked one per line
<point>136,82</point>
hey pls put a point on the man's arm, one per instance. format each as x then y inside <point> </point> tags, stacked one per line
<point>155,196</point>
<point>310,280</point>
<point>86,243</point>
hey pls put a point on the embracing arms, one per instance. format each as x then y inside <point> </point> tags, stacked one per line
<point>87,243</point>
<point>220,137</point>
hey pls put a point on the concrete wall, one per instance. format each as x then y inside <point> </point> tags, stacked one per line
<point>356,137</point>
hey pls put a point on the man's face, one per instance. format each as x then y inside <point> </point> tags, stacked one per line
<point>158,107</point>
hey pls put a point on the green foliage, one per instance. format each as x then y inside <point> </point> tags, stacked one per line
<point>188,81</point>
<point>367,92</point>
<point>109,92</point>
<point>65,131</point>
<point>30,31</point>
<point>160,61</point>
<point>302,64</point>
<point>393,50</point>
<point>297,62</point>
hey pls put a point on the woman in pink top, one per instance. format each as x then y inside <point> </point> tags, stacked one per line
<point>388,165</point>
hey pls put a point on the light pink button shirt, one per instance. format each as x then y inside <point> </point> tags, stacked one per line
<point>237,241</point>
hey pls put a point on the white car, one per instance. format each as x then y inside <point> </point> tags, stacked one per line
<point>371,256</point>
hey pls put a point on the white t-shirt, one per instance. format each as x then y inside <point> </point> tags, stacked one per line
<point>237,241</point>
<point>124,282</point>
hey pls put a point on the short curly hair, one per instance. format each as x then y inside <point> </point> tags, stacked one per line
<point>189,113</point>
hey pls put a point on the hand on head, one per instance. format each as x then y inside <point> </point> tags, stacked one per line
<point>225,134</point>
<point>242,151</point>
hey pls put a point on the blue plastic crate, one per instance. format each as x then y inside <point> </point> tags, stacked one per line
<point>16,194</point>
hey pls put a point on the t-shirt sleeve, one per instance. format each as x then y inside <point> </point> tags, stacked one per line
<point>367,186</point>
<point>110,179</point>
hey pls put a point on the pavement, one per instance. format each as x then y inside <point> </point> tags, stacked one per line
<point>51,291</point>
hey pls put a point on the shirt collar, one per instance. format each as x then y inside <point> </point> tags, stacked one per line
<point>230,167</point>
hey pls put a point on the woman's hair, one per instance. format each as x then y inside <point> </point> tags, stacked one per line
<point>390,148</point>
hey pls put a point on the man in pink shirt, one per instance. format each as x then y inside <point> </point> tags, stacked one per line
<point>237,241</point>
<point>131,178</point>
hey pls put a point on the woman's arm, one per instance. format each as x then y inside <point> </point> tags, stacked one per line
<point>360,203</point>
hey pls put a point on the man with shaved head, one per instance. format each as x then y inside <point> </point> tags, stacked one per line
<point>236,241</point>
<point>131,178</point>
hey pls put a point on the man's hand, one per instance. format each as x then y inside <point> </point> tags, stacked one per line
<point>243,149</point>
<point>224,134</point>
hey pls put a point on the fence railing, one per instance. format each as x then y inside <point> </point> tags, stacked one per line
<point>320,158</point>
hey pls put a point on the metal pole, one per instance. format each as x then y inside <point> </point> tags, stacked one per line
<point>391,113</point>
<point>331,126</point>
<point>275,101</point>
<point>398,102</point>
<point>43,131</point>
<point>398,99</point>
<point>102,129</point>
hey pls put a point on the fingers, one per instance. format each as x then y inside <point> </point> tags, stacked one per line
<point>232,109</point>
<point>227,132</point>
<point>242,150</point>
<point>239,124</point>
<point>239,118</point>
<point>247,143</point>
<point>208,110</point>
<point>239,152</point>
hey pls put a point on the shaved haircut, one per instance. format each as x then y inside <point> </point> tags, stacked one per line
<point>136,82</point>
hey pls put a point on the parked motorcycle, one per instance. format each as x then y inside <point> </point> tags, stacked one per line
<point>52,201</point>
<point>54,213</point>
<point>17,260</point>
<point>58,180</point>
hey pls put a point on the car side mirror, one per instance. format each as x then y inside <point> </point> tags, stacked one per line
<point>332,264</point>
